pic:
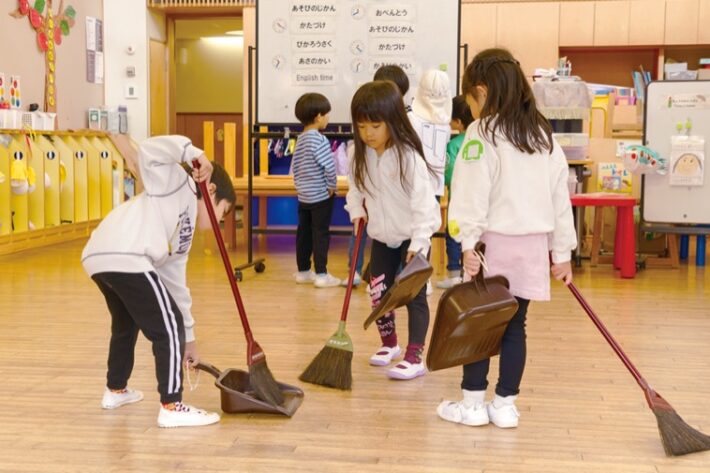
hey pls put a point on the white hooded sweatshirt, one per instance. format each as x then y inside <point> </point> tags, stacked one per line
<point>498,188</point>
<point>395,213</point>
<point>153,231</point>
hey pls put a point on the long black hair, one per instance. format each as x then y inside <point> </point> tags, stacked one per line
<point>509,100</point>
<point>381,101</point>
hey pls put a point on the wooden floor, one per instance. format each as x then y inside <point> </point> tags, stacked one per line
<point>581,411</point>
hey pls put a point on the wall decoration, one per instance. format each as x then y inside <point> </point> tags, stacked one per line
<point>50,29</point>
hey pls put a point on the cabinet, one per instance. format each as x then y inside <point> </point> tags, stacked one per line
<point>519,23</point>
<point>611,23</point>
<point>647,20</point>
<point>577,23</point>
<point>682,21</point>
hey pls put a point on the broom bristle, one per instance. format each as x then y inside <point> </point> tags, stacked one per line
<point>677,436</point>
<point>264,385</point>
<point>331,367</point>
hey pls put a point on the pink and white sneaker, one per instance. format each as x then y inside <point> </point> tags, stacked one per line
<point>405,370</point>
<point>385,355</point>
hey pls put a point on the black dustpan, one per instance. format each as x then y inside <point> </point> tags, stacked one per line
<point>470,320</point>
<point>238,397</point>
<point>406,286</point>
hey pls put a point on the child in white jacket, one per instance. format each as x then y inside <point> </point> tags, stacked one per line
<point>137,256</point>
<point>509,190</point>
<point>390,187</point>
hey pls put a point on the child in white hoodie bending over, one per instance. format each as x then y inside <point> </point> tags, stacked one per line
<point>509,190</point>
<point>391,187</point>
<point>137,256</point>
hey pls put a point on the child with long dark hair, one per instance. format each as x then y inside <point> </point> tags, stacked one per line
<point>390,187</point>
<point>509,190</point>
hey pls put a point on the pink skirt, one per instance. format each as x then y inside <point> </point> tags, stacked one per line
<point>523,260</point>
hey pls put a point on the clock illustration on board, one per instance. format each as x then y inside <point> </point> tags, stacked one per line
<point>279,25</point>
<point>357,47</point>
<point>278,62</point>
<point>357,65</point>
<point>357,12</point>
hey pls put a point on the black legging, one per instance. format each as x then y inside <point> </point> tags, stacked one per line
<point>385,262</point>
<point>512,359</point>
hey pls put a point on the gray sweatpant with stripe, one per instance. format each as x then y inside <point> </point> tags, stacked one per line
<point>140,301</point>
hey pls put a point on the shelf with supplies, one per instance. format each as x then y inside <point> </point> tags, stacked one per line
<point>56,186</point>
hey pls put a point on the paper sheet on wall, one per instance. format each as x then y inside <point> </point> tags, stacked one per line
<point>687,162</point>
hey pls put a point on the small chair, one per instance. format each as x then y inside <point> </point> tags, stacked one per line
<point>625,235</point>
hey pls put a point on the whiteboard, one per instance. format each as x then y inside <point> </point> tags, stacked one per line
<point>669,103</point>
<point>334,46</point>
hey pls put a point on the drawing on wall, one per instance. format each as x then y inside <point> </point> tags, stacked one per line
<point>49,28</point>
<point>687,160</point>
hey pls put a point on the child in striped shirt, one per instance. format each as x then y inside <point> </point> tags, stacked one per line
<point>315,179</point>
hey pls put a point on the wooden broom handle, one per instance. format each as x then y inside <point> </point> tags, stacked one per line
<point>353,264</point>
<point>225,257</point>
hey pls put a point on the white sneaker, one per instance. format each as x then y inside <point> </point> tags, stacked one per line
<point>385,355</point>
<point>304,277</point>
<point>476,415</point>
<point>356,280</point>
<point>405,370</point>
<point>326,280</point>
<point>185,416</point>
<point>448,282</point>
<point>112,400</point>
<point>503,413</point>
<point>429,289</point>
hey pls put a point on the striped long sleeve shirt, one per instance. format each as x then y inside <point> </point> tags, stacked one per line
<point>313,167</point>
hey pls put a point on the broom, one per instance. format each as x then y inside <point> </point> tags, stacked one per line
<point>260,378</point>
<point>678,437</point>
<point>333,365</point>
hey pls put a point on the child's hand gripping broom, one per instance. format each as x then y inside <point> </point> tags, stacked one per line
<point>333,365</point>
<point>260,377</point>
<point>678,437</point>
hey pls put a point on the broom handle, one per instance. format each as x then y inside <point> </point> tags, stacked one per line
<point>225,257</point>
<point>351,275</point>
<point>609,338</point>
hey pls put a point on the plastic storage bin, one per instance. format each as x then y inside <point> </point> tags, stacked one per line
<point>574,145</point>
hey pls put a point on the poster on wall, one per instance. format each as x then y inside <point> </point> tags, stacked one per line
<point>613,177</point>
<point>94,51</point>
<point>687,160</point>
<point>15,95</point>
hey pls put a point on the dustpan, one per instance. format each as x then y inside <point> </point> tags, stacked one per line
<point>470,320</point>
<point>238,397</point>
<point>406,286</point>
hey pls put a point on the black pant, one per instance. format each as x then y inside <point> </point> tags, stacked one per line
<point>140,301</point>
<point>385,263</point>
<point>512,359</point>
<point>313,235</point>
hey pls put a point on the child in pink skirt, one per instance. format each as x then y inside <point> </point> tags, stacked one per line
<point>509,190</point>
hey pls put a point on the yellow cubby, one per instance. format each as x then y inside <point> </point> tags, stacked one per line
<point>5,213</point>
<point>36,195</point>
<point>94,175</point>
<point>66,180</point>
<point>106,180</point>
<point>118,168</point>
<point>52,189</point>
<point>81,179</point>
<point>19,175</point>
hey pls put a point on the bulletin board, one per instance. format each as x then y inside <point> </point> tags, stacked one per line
<point>680,196</point>
<point>334,46</point>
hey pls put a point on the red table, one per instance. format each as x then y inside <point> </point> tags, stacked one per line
<point>625,236</point>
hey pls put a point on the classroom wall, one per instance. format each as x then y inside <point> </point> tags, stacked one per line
<point>127,25</point>
<point>21,56</point>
